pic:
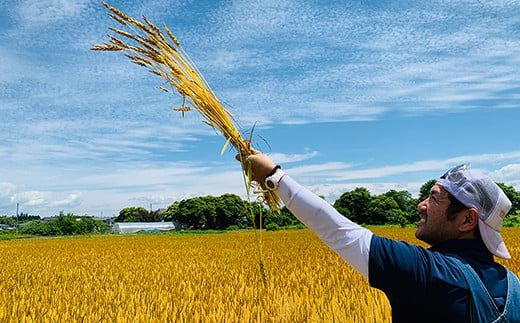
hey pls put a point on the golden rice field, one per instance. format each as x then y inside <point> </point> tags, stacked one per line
<point>207,278</point>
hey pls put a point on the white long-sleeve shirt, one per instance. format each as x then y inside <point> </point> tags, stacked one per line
<point>348,239</point>
<point>411,276</point>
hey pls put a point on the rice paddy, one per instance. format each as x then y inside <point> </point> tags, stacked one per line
<point>209,278</point>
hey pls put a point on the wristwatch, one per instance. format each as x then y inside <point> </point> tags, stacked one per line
<point>273,178</point>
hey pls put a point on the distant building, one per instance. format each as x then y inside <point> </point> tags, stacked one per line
<point>105,220</point>
<point>132,227</point>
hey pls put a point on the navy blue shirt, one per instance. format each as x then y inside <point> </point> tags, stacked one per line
<point>424,285</point>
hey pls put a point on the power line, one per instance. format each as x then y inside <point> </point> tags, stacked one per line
<point>17,206</point>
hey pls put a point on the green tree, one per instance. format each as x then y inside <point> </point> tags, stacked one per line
<point>66,223</point>
<point>424,191</point>
<point>513,196</point>
<point>379,209</point>
<point>155,216</point>
<point>132,214</point>
<point>209,212</point>
<point>354,204</point>
<point>88,225</point>
<point>41,228</point>
<point>407,204</point>
<point>171,212</point>
<point>229,210</point>
<point>258,209</point>
<point>287,218</point>
<point>9,220</point>
<point>402,198</point>
<point>194,213</point>
<point>25,217</point>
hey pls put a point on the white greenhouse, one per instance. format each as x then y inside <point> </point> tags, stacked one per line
<point>131,227</point>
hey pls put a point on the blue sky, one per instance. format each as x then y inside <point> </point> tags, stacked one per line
<point>380,94</point>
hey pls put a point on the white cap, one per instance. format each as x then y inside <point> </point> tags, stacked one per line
<point>478,191</point>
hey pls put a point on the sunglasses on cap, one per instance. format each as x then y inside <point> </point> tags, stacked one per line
<point>456,169</point>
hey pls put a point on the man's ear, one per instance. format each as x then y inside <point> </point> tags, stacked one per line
<point>469,220</point>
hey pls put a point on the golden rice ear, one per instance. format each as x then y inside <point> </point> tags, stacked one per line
<point>145,45</point>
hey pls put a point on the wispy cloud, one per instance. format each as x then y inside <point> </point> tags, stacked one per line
<point>340,172</point>
<point>411,59</point>
<point>72,200</point>
<point>284,158</point>
<point>332,192</point>
<point>162,184</point>
<point>509,174</point>
<point>7,191</point>
<point>337,178</point>
<point>96,134</point>
<point>37,13</point>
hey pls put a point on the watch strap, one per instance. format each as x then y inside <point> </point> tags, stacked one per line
<point>271,173</point>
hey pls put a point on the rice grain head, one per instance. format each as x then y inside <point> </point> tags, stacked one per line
<point>147,46</point>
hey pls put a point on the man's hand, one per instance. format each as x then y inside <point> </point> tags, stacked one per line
<point>259,163</point>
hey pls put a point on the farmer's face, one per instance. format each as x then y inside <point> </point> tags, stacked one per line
<point>434,226</point>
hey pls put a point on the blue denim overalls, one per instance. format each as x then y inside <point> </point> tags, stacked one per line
<point>482,306</point>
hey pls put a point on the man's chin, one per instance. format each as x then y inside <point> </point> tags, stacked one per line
<point>419,233</point>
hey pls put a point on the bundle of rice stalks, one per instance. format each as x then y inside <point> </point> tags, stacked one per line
<point>147,46</point>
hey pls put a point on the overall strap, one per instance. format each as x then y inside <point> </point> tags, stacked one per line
<point>512,307</point>
<point>482,308</point>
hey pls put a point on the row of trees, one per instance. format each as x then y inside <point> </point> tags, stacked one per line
<point>139,214</point>
<point>63,224</point>
<point>230,211</point>
<point>22,217</point>
<point>393,207</point>
<point>227,211</point>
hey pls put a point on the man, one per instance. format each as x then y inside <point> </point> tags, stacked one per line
<point>456,280</point>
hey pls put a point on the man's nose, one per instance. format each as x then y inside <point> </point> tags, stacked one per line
<point>423,205</point>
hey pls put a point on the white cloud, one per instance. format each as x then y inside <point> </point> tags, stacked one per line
<point>43,12</point>
<point>509,174</point>
<point>122,185</point>
<point>161,199</point>
<point>143,174</point>
<point>74,199</point>
<point>37,200</point>
<point>7,190</point>
<point>339,172</point>
<point>332,192</point>
<point>336,178</point>
<point>29,198</point>
<point>284,158</point>
<point>320,169</point>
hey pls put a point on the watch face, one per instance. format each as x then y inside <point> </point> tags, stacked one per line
<point>269,183</point>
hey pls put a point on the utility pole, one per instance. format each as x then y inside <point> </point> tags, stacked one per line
<point>17,206</point>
